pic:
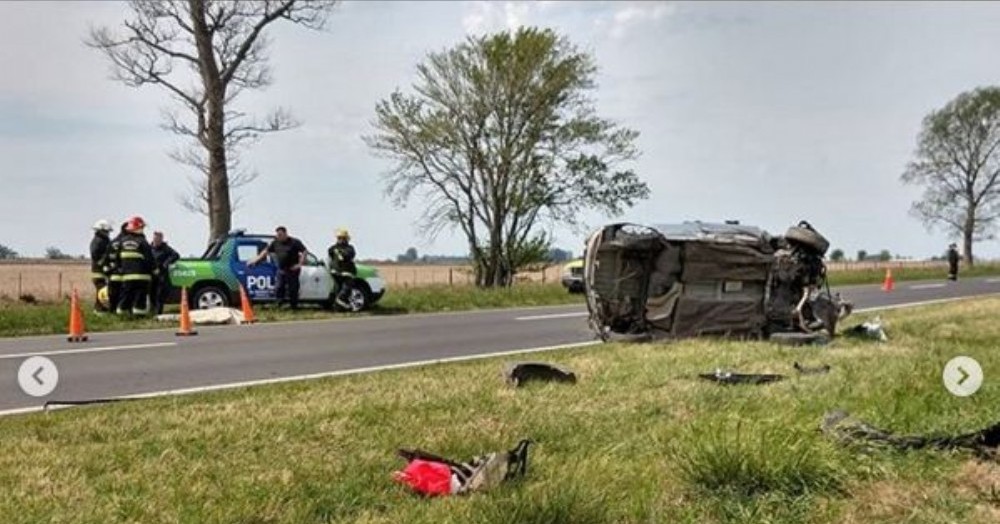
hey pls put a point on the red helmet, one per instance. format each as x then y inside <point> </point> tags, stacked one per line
<point>135,224</point>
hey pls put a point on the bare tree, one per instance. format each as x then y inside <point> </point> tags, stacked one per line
<point>500,138</point>
<point>958,163</point>
<point>221,46</point>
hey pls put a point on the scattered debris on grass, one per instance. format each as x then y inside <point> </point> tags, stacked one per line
<point>871,330</point>
<point>727,377</point>
<point>804,370</point>
<point>841,426</point>
<point>430,474</point>
<point>519,372</point>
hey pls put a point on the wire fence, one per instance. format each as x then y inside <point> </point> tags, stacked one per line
<point>48,280</point>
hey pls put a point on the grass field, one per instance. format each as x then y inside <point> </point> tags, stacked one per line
<point>636,440</point>
<point>49,318</point>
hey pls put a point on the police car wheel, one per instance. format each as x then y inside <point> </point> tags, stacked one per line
<point>357,299</point>
<point>209,297</point>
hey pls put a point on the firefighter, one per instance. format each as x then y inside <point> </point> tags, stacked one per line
<point>113,271</point>
<point>165,256</point>
<point>133,258</point>
<point>99,246</point>
<point>342,266</point>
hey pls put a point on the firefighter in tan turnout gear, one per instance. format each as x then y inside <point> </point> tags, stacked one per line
<point>99,246</point>
<point>134,266</point>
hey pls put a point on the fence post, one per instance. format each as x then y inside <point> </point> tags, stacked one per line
<point>59,287</point>
<point>20,291</point>
<point>451,276</point>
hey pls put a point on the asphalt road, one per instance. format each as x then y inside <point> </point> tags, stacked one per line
<point>158,362</point>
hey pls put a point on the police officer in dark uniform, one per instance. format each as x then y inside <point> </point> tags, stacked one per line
<point>342,255</point>
<point>133,258</point>
<point>953,262</point>
<point>290,253</point>
<point>99,246</point>
<point>164,256</point>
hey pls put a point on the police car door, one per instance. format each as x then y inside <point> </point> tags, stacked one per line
<point>315,282</point>
<point>259,280</point>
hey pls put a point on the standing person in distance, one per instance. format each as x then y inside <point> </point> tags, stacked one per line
<point>290,253</point>
<point>953,259</point>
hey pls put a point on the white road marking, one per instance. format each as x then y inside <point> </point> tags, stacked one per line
<point>924,303</point>
<point>993,280</point>
<point>338,373</point>
<point>928,286</point>
<point>555,315</point>
<point>87,350</point>
<point>404,365</point>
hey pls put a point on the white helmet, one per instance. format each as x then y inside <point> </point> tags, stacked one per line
<point>102,225</point>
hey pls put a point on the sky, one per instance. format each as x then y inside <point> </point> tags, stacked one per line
<point>767,113</point>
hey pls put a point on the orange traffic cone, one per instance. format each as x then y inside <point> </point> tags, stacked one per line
<point>185,329</point>
<point>248,316</point>
<point>76,329</point>
<point>889,283</point>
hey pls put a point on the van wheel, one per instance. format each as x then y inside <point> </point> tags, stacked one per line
<point>208,297</point>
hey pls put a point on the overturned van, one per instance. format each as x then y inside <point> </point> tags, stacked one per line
<point>695,278</point>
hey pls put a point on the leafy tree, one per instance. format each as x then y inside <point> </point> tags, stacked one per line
<point>500,138</point>
<point>837,255</point>
<point>205,54</point>
<point>884,255</point>
<point>410,256</point>
<point>7,253</point>
<point>54,253</point>
<point>862,255</point>
<point>958,164</point>
<point>559,255</point>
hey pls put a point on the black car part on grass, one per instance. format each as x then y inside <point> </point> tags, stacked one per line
<point>818,370</point>
<point>520,372</point>
<point>841,426</point>
<point>695,278</point>
<point>871,330</point>
<point>729,378</point>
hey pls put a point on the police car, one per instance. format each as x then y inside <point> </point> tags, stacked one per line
<point>214,279</point>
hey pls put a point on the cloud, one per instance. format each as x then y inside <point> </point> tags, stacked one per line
<point>496,16</point>
<point>628,15</point>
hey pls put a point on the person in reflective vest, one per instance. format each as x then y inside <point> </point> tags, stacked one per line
<point>136,265</point>
<point>99,246</point>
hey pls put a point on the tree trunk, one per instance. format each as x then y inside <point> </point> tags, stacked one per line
<point>220,208</point>
<point>214,140</point>
<point>968,229</point>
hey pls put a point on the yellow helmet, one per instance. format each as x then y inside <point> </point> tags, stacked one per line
<point>103,298</point>
<point>343,233</point>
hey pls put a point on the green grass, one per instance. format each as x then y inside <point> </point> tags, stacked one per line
<point>49,318</point>
<point>876,276</point>
<point>636,440</point>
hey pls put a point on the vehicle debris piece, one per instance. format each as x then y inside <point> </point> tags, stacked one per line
<point>430,474</point>
<point>818,370</point>
<point>517,373</point>
<point>697,278</point>
<point>871,330</point>
<point>841,426</point>
<point>730,378</point>
<point>800,339</point>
